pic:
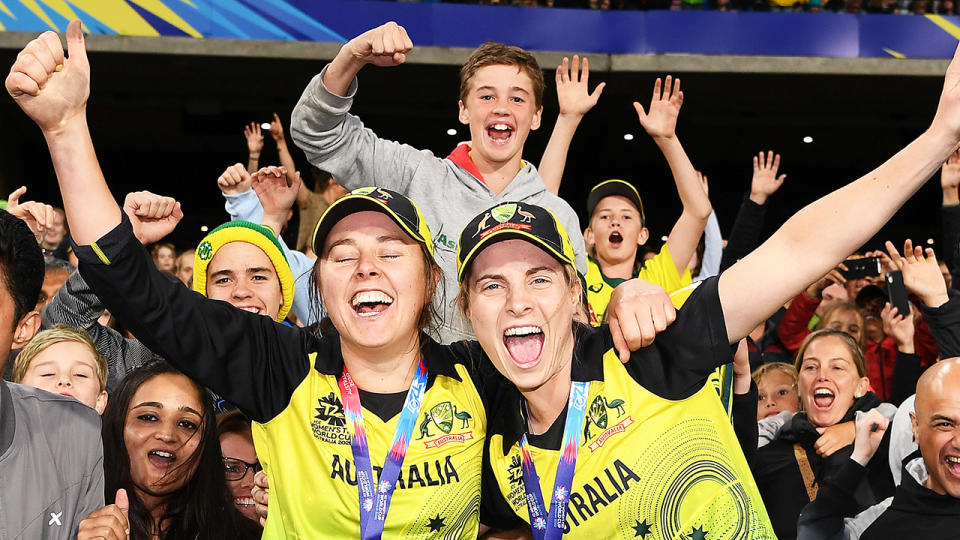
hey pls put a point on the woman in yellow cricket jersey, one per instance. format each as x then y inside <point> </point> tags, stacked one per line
<point>600,449</point>
<point>371,430</point>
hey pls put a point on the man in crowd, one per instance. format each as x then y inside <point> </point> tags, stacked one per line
<point>51,457</point>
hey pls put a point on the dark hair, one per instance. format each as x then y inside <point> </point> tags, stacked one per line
<point>21,264</point>
<point>321,179</point>
<point>233,422</point>
<point>202,508</point>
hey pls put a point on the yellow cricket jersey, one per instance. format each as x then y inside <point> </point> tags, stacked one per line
<point>660,270</point>
<point>285,380</point>
<point>658,457</point>
<point>305,451</point>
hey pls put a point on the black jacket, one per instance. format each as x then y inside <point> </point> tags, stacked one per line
<point>781,484</point>
<point>914,512</point>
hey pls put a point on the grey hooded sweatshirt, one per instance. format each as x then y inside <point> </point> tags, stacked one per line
<point>51,464</point>
<point>447,193</point>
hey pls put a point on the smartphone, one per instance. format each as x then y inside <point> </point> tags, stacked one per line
<point>897,292</point>
<point>861,268</point>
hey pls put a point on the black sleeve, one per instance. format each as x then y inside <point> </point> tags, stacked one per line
<point>822,519</point>
<point>683,356</point>
<point>951,238</point>
<point>745,234</point>
<point>906,372</point>
<point>944,323</point>
<point>745,421</point>
<point>246,358</point>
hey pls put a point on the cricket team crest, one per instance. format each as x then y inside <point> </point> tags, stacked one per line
<point>505,215</point>
<point>504,212</point>
<point>444,416</point>
<point>600,414</point>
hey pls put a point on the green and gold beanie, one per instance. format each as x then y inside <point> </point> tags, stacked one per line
<point>251,233</point>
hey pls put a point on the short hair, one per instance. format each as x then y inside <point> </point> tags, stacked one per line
<point>58,334</point>
<point>21,264</point>
<point>855,351</point>
<point>782,367</point>
<point>233,422</point>
<point>499,54</point>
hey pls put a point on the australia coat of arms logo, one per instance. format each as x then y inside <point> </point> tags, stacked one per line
<point>445,417</point>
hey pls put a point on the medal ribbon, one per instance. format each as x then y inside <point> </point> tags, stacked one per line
<point>374,503</point>
<point>550,525</point>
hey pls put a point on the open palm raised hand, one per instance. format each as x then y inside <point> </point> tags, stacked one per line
<point>661,121</point>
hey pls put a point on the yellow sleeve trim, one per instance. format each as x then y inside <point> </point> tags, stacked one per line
<point>100,254</point>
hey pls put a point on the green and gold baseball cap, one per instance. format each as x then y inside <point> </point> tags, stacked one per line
<point>615,186</point>
<point>395,205</point>
<point>519,220</point>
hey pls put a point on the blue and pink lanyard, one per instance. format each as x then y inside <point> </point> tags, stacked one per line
<point>374,503</point>
<point>550,525</point>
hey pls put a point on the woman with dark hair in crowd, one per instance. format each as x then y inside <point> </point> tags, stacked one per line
<point>833,387</point>
<point>239,459</point>
<point>160,447</point>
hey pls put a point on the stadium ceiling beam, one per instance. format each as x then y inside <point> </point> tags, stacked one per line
<point>673,63</point>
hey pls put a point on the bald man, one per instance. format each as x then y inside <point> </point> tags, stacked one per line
<point>927,501</point>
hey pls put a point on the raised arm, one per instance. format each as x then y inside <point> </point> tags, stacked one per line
<point>239,199</point>
<point>575,101</point>
<point>385,45</point>
<point>53,91</point>
<point>745,234</point>
<point>336,141</point>
<point>661,124</point>
<point>754,288</point>
<point>275,197</point>
<point>198,335</point>
<point>286,159</point>
<point>254,139</point>
<point>950,213</point>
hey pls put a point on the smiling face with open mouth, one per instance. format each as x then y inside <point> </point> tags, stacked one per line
<point>936,426</point>
<point>243,275</point>
<point>500,110</point>
<point>161,434</point>
<point>829,380</point>
<point>521,306</point>
<point>616,230</point>
<point>372,280</point>
<point>240,446</point>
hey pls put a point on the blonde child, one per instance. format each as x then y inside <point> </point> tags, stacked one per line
<point>63,360</point>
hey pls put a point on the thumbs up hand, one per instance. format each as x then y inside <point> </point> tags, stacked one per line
<point>109,522</point>
<point>50,88</point>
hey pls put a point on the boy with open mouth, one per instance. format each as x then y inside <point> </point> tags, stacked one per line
<point>618,224</point>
